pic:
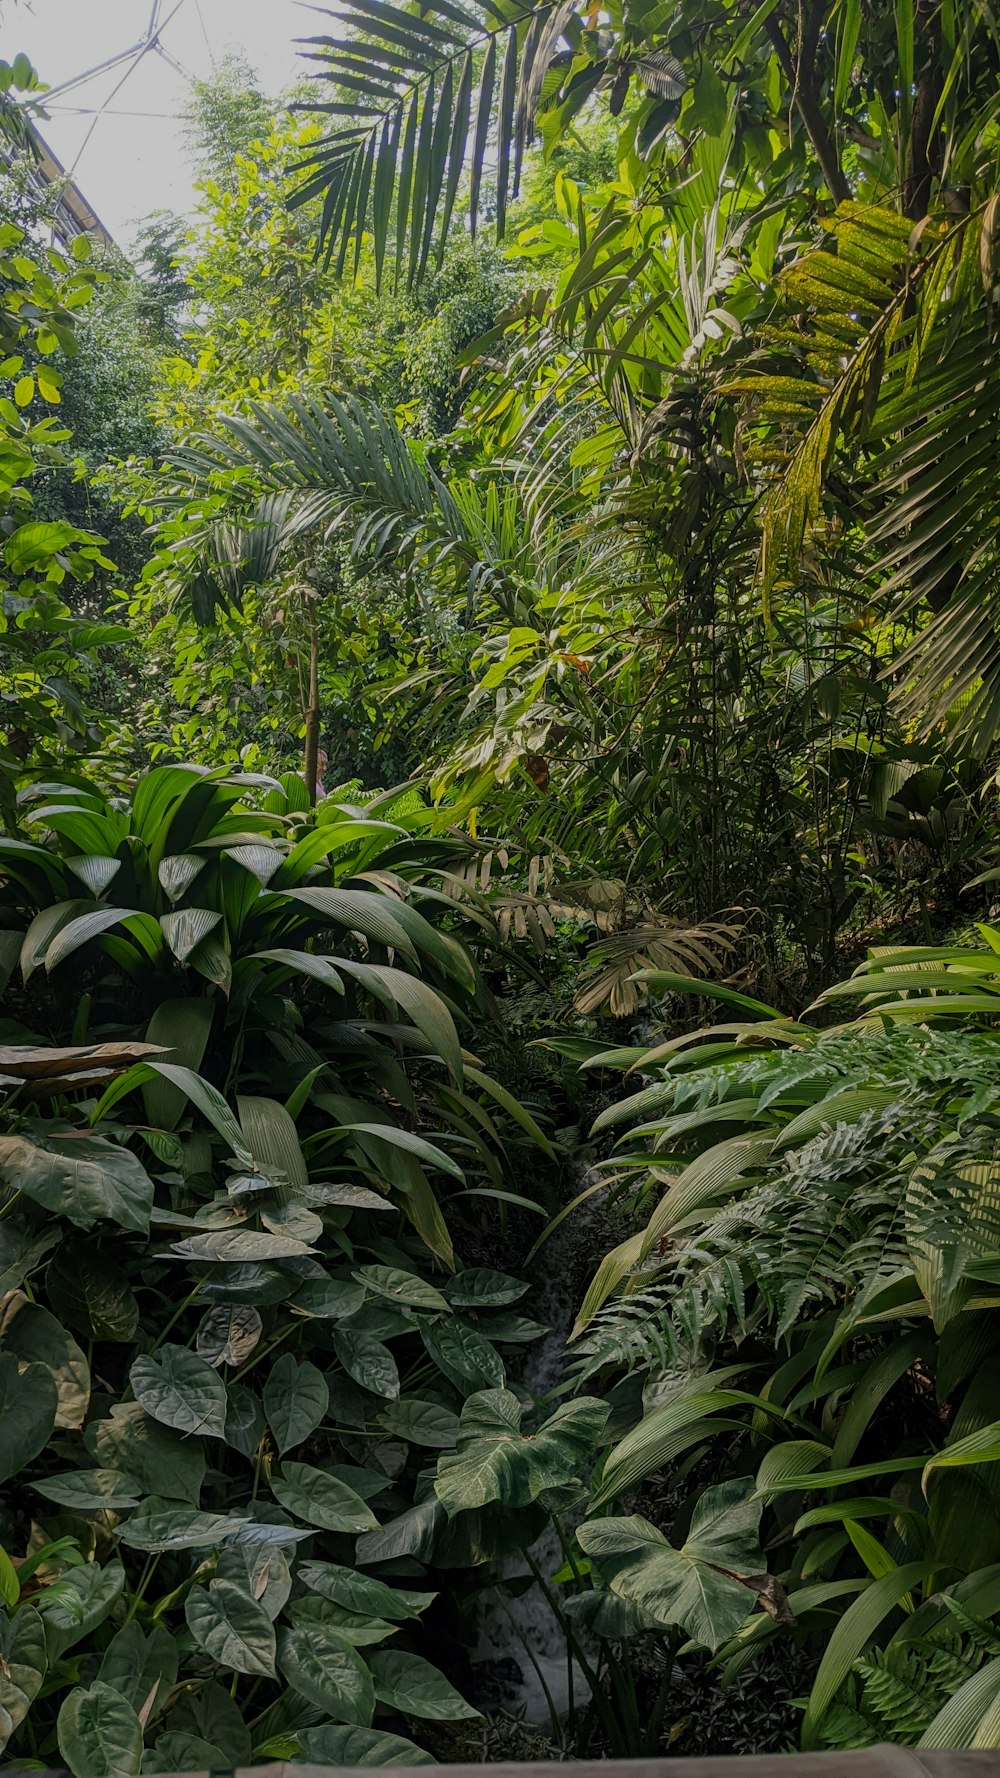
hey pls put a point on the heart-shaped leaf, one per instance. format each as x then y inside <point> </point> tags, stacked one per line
<point>482,1288</point>
<point>325,1668</point>
<point>229,1333</point>
<point>355,1591</point>
<point>412,1685</point>
<point>403,1287</point>
<point>421,1423</point>
<point>143,1668</point>
<point>466,1358</point>
<point>180,1391</point>
<point>210,1713</point>
<point>332,1746</point>
<point>245,1424</point>
<point>232,1627</point>
<point>321,1499</point>
<point>36,1337</point>
<point>360,1632</point>
<point>82,1177</point>
<point>296,1399</point>
<point>90,1292</point>
<point>495,1460</point>
<point>91,1490</point>
<point>260,1570</point>
<point>696,1586</point>
<point>239,1247</point>
<point>23,1664</point>
<point>79,1601</point>
<point>369,1362</point>
<point>28,1403</point>
<point>161,1462</point>
<point>159,1525</point>
<point>99,1733</point>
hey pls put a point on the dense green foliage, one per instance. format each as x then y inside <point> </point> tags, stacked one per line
<point>427,667</point>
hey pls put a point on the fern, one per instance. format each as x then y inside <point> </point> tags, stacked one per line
<point>911,1185</point>
<point>892,1694</point>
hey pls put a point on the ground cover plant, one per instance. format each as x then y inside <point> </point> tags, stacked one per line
<point>811,1304</point>
<point>235,1329</point>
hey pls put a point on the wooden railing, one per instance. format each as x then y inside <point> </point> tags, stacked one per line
<point>871,1762</point>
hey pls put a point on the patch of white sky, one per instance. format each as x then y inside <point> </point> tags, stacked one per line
<point>123,138</point>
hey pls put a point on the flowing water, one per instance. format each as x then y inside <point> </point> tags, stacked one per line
<point>520,1650</point>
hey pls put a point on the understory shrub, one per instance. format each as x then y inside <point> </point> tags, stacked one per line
<point>234,1331</point>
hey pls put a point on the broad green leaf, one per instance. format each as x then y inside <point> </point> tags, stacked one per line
<point>238,1247</point>
<point>345,1746</point>
<point>369,1362</point>
<point>142,1667</point>
<point>28,1403</point>
<point>36,1337</point>
<point>396,1137</point>
<point>79,1176</point>
<point>180,1391</point>
<point>86,926</point>
<point>982,1446</point>
<point>78,1602</point>
<point>161,1462</point>
<point>695,1586</point>
<point>321,1499</point>
<point>209,1712</point>
<point>410,1684</point>
<point>360,1631</point>
<point>88,1291</point>
<point>159,1525</point>
<point>402,1287</point>
<point>91,1490</point>
<point>355,1591</point>
<point>327,1299</point>
<point>183,1027</point>
<point>209,1102</point>
<point>99,1733</point>
<point>421,1423</point>
<point>296,1221</point>
<point>427,1009</point>
<point>245,1423</point>
<point>23,1664</point>
<point>21,1250</point>
<point>852,1634</point>
<point>261,1571</point>
<point>273,1140</point>
<point>228,1334</point>
<point>232,1627</point>
<point>10,1584</point>
<point>178,1751</point>
<point>496,1461</point>
<point>325,1668</point>
<point>185,929</point>
<point>296,1399</point>
<point>465,1357</point>
<point>484,1289</point>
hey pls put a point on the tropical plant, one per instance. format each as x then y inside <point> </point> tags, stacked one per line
<point>223,1356</point>
<point>817,1282</point>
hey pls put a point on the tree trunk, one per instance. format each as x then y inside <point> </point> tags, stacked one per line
<point>312,713</point>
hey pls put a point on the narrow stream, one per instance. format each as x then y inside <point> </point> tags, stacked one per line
<point>536,1686</point>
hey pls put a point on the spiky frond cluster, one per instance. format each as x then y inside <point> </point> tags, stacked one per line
<point>892,1694</point>
<point>879,1160</point>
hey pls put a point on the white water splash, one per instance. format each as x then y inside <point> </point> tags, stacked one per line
<point>544,1683</point>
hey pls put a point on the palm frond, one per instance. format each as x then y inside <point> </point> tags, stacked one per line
<point>415,96</point>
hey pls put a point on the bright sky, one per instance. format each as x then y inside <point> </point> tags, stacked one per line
<point>133,161</point>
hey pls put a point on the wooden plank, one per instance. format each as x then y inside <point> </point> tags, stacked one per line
<point>868,1762</point>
